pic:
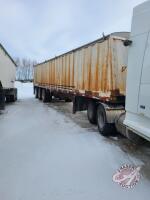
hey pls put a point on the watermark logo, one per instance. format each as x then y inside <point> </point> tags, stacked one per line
<point>127,176</point>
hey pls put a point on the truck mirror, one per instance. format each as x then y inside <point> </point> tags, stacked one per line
<point>127,43</point>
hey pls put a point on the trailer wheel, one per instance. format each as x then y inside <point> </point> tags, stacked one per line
<point>92,112</point>
<point>49,96</point>
<point>36,93</point>
<point>106,129</point>
<point>39,94</point>
<point>12,98</point>
<point>68,100</point>
<point>7,99</point>
<point>2,98</point>
<point>44,96</point>
<point>16,94</point>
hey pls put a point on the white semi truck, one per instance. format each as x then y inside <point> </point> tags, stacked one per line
<point>8,92</point>
<point>136,118</point>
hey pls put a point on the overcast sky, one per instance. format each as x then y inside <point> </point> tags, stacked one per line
<point>41,29</point>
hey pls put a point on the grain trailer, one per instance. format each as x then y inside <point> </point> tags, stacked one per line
<point>91,75</point>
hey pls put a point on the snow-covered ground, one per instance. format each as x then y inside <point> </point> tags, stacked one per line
<point>46,153</point>
<point>25,90</point>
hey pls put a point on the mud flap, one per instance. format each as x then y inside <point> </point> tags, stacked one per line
<point>74,106</point>
<point>79,104</point>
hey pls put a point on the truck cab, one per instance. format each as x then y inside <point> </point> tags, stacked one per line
<point>137,118</point>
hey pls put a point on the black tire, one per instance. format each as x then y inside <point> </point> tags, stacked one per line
<point>39,94</point>
<point>68,100</point>
<point>92,112</point>
<point>16,97</point>
<point>49,96</point>
<point>15,94</point>
<point>36,93</point>
<point>44,96</point>
<point>12,98</point>
<point>106,129</point>
<point>2,98</point>
<point>7,99</point>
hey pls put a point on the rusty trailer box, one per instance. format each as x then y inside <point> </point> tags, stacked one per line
<point>97,69</point>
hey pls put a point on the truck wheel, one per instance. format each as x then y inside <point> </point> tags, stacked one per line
<point>39,94</point>
<point>36,93</point>
<point>7,99</point>
<point>68,100</point>
<point>106,129</point>
<point>49,96</point>
<point>44,96</point>
<point>2,98</point>
<point>16,97</point>
<point>92,112</point>
<point>16,94</point>
<point>12,98</point>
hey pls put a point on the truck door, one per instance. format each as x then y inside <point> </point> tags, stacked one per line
<point>144,91</point>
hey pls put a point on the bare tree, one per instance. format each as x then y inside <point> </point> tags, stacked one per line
<point>24,69</point>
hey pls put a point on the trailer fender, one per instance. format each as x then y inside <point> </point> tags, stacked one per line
<point>112,112</point>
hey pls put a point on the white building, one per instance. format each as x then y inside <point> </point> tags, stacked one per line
<point>7,76</point>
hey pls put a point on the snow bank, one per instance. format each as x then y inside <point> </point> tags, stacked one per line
<point>25,90</point>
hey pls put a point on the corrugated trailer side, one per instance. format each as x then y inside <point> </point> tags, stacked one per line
<point>90,75</point>
<point>98,69</point>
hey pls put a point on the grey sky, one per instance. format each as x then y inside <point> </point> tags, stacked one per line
<point>40,29</point>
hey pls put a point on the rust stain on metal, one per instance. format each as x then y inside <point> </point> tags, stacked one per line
<point>115,92</point>
<point>96,71</point>
<point>111,70</point>
<point>123,68</point>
